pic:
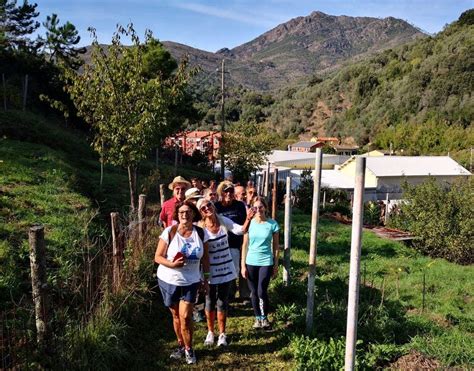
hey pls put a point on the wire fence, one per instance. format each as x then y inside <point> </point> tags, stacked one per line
<point>82,294</point>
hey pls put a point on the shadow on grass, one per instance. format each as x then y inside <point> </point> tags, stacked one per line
<point>380,320</point>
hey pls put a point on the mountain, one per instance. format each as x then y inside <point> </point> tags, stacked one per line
<point>417,97</point>
<point>299,48</point>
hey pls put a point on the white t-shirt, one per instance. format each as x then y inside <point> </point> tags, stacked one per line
<point>222,268</point>
<point>192,248</point>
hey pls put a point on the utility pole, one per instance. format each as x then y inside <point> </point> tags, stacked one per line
<point>223,118</point>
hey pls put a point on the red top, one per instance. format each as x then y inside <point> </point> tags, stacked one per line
<point>166,214</point>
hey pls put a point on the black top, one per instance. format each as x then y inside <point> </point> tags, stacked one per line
<point>237,212</point>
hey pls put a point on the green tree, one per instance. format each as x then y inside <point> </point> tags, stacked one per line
<point>157,60</point>
<point>16,24</point>
<point>245,146</point>
<point>127,111</point>
<point>61,40</point>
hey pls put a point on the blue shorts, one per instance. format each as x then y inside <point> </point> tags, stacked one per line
<point>173,294</point>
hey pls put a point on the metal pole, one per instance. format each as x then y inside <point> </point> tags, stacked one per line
<point>287,241</point>
<point>352,307</point>
<point>324,199</point>
<point>386,209</point>
<point>259,184</point>
<point>314,242</point>
<point>267,180</point>
<point>274,193</point>
<point>175,158</point>
<point>221,147</point>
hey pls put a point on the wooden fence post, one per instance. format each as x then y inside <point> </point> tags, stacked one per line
<point>141,218</point>
<point>162,194</point>
<point>4,92</point>
<point>25,92</point>
<point>116,251</point>
<point>287,241</point>
<point>39,284</point>
<point>274,193</point>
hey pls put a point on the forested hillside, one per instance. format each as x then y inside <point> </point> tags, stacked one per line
<point>417,96</point>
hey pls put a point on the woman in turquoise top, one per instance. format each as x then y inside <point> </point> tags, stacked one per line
<point>260,259</point>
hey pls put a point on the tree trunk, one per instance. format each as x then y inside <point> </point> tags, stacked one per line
<point>132,171</point>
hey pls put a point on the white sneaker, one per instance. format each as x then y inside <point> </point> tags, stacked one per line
<point>222,341</point>
<point>190,357</point>
<point>209,339</point>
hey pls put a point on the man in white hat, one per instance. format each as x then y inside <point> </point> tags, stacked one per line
<point>179,185</point>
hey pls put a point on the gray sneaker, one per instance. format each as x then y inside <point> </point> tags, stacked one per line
<point>190,357</point>
<point>266,324</point>
<point>257,324</point>
<point>178,353</point>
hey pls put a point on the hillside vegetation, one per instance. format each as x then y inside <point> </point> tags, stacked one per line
<point>49,175</point>
<point>417,96</point>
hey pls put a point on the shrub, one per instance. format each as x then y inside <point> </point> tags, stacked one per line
<point>315,354</point>
<point>440,218</point>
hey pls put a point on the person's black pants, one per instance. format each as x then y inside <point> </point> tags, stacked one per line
<point>258,280</point>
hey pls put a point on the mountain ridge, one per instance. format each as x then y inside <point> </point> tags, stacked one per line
<point>302,46</point>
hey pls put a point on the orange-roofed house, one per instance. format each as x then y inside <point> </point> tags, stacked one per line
<point>199,140</point>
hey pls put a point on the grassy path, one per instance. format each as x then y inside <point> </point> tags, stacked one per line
<point>154,340</point>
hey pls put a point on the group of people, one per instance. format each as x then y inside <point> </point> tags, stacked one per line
<point>211,237</point>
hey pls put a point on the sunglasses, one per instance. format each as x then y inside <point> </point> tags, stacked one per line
<point>229,190</point>
<point>206,206</point>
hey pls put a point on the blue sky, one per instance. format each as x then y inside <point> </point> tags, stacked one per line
<point>211,25</point>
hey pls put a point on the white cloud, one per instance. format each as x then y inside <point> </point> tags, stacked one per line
<point>239,16</point>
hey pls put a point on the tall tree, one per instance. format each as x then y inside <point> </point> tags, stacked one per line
<point>126,110</point>
<point>17,23</point>
<point>61,40</point>
<point>246,145</point>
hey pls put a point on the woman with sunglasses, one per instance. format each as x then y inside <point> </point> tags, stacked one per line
<point>181,253</point>
<point>260,252</point>
<point>222,269</point>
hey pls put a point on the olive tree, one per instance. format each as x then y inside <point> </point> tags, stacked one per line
<point>127,109</point>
